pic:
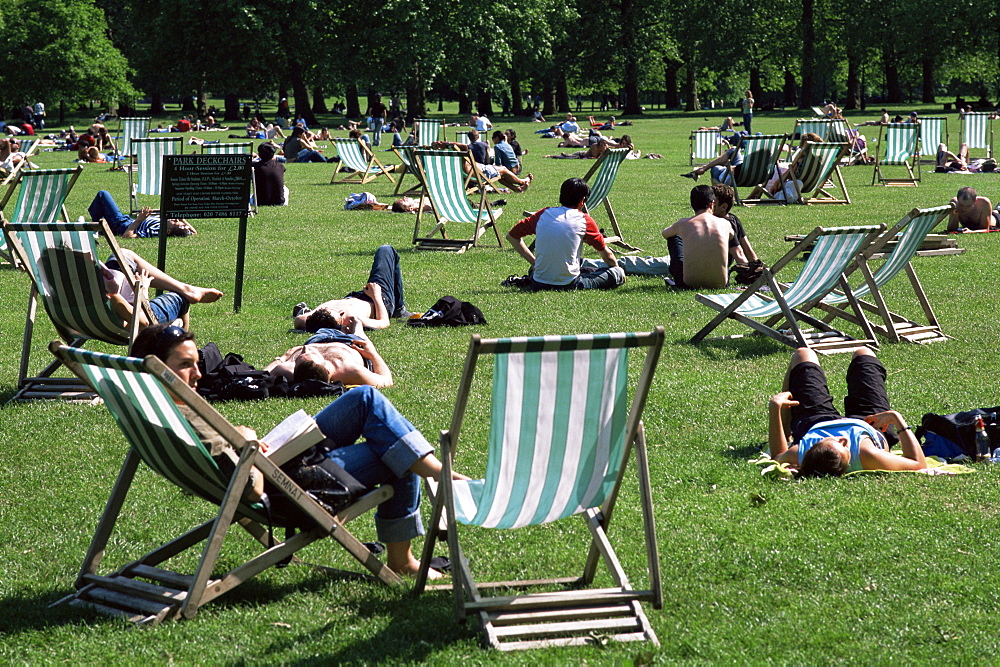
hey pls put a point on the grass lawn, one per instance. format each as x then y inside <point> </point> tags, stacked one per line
<point>873,569</point>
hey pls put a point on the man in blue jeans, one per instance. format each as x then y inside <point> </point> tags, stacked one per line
<point>145,225</point>
<point>377,112</point>
<point>381,299</point>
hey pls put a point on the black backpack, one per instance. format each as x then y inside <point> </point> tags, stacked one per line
<point>230,378</point>
<point>960,428</point>
<point>449,311</point>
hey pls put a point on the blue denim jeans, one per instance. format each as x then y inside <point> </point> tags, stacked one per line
<point>391,445</point>
<point>309,155</point>
<point>747,120</point>
<point>104,206</point>
<point>606,278</point>
<point>388,275</point>
<point>377,125</point>
<point>168,307</point>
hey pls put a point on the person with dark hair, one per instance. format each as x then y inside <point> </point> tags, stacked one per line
<point>699,245</point>
<point>392,450</point>
<point>559,231</point>
<point>298,148</point>
<point>503,153</point>
<point>480,152</point>
<point>269,178</point>
<point>381,299</point>
<point>144,225</point>
<point>806,431</point>
<point>332,355</point>
<point>972,212</point>
<point>717,167</point>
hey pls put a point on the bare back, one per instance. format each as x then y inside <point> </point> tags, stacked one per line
<point>706,249</point>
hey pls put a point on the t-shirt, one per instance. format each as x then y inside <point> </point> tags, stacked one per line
<point>503,154</point>
<point>183,125</point>
<point>269,179</point>
<point>559,232</point>
<point>378,110</point>
<point>483,123</point>
<point>570,126</point>
<point>853,429</point>
<point>480,152</point>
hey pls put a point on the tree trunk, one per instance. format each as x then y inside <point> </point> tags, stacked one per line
<point>351,100</point>
<point>62,112</point>
<point>691,86</point>
<point>300,92</point>
<point>187,104</point>
<point>232,105</point>
<point>562,93</point>
<point>483,102</point>
<point>464,101</point>
<point>788,89</point>
<point>927,64</point>
<point>156,104</point>
<point>894,93</point>
<point>808,54</point>
<point>319,101</point>
<point>631,80</point>
<point>548,99</point>
<point>853,100</point>
<point>670,69</point>
<point>515,93</point>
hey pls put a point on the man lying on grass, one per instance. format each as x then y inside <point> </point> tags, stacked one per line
<point>818,440</point>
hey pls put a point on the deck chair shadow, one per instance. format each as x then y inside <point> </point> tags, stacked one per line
<point>160,436</point>
<point>705,145</point>
<point>362,166</point>
<point>561,437</point>
<point>909,234</point>
<point>601,178</point>
<point>145,170</point>
<point>977,131</point>
<point>62,260</point>
<point>898,150</point>
<point>407,165</point>
<point>816,172</point>
<point>760,155</point>
<point>447,176</point>
<point>42,197</point>
<point>428,131</point>
<point>784,308</point>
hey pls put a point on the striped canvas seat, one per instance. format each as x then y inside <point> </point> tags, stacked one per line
<point>818,169</point>
<point>977,131</point>
<point>42,197</point>
<point>145,172</point>
<point>132,128</point>
<point>428,131</point>
<point>817,126</point>
<point>228,148</point>
<point>160,435</point>
<point>838,131</point>
<point>562,431</point>
<point>445,186</point>
<point>705,145</point>
<point>601,178</point>
<point>361,164</point>
<point>62,259</point>
<point>909,234</point>
<point>785,306</point>
<point>933,131</point>
<point>899,149</point>
<point>462,137</point>
<point>407,165</point>
<point>760,155</point>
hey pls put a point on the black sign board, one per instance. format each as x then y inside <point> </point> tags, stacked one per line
<point>207,186</point>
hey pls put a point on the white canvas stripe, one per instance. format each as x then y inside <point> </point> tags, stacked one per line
<point>540,472</point>
<point>578,409</point>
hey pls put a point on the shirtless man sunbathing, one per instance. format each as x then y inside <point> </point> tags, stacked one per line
<point>349,358</point>
<point>699,245</point>
<point>972,212</point>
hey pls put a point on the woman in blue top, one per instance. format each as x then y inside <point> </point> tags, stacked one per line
<point>806,431</point>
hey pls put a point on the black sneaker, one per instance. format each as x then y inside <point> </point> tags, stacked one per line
<point>300,308</point>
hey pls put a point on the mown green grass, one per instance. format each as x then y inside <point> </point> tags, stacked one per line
<point>874,570</point>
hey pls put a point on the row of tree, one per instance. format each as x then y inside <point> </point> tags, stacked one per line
<point>789,52</point>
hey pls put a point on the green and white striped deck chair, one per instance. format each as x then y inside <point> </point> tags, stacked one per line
<point>132,128</point>
<point>909,234</point>
<point>145,171</point>
<point>228,148</point>
<point>977,131</point>
<point>933,131</point>
<point>28,147</point>
<point>150,589</point>
<point>818,126</point>
<point>562,431</point>
<point>705,145</point>
<point>786,306</point>
<point>899,150</point>
<point>601,178</point>
<point>407,165</point>
<point>817,168</point>
<point>760,155</point>
<point>462,137</point>
<point>62,260</point>
<point>428,130</point>
<point>361,164</point>
<point>445,185</point>
<point>42,197</point>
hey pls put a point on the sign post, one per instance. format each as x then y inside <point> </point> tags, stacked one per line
<point>207,186</point>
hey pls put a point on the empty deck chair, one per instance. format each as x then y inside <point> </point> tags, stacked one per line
<point>132,128</point>
<point>898,150</point>
<point>145,171</point>
<point>228,148</point>
<point>361,164</point>
<point>817,126</point>
<point>561,437</point>
<point>153,587</point>
<point>817,168</point>
<point>977,131</point>
<point>909,234</point>
<point>462,137</point>
<point>705,145</point>
<point>601,178</point>
<point>445,186</point>
<point>933,131</point>
<point>42,198</point>
<point>784,308</point>
<point>428,131</point>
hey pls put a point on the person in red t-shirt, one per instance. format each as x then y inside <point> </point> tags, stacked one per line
<point>183,125</point>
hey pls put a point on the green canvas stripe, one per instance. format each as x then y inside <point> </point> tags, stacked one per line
<point>132,129</point>
<point>498,432</point>
<point>42,194</point>
<point>759,156</point>
<point>706,144</point>
<point>551,343</point>
<point>974,129</point>
<point>232,148</point>
<point>817,165</point>
<point>149,157</point>
<point>445,182</point>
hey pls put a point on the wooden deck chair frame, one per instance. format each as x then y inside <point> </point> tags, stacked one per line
<point>909,232</point>
<point>407,165</point>
<point>818,170</point>
<point>705,145</point>
<point>144,591</point>
<point>564,616</point>
<point>977,131</point>
<point>901,139</point>
<point>933,131</point>
<point>32,203</point>
<point>428,131</point>
<point>146,167</point>
<point>77,307</point>
<point>760,155</point>
<point>361,163</point>
<point>446,187</point>
<point>786,305</point>
<point>601,178</point>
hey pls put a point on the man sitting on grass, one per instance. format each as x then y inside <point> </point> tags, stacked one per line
<point>381,298</point>
<point>699,245</point>
<point>806,431</point>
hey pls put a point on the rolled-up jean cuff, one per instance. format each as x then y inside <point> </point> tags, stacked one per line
<point>402,529</point>
<point>168,307</point>
<point>405,452</point>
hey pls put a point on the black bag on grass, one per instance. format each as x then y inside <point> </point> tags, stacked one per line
<point>960,428</point>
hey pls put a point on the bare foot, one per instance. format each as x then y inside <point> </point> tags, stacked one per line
<point>202,294</point>
<point>411,568</point>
